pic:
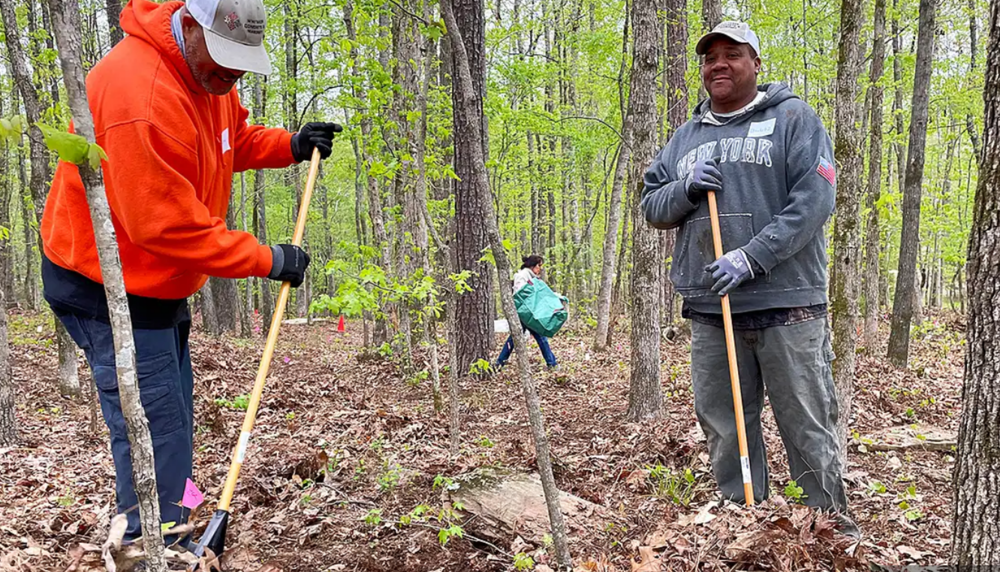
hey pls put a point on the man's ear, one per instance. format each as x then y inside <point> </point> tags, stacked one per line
<point>188,23</point>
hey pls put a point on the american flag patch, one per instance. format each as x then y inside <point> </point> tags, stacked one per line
<point>827,171</point>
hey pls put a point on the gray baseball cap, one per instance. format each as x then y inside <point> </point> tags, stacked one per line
<point>234,32</point>
<point>738,32</point>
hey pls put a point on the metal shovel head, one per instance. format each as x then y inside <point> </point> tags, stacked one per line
<point>215,535</point>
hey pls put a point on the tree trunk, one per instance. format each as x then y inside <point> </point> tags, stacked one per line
<point>8,423</point>
<point>873,233</point>
<point>608,266</point>
<point>677,106</point>
<point>975,522</point>
<point>6,235</point>
<point>970,121</point>
<point>474,312</point>
<point>113,9</point>
<point>847,229</point>
<point>375,213</point>
<point>225,293</point>
<point>645,398</point>
<point>909,243</point>
<point>69,378</point>
<point>260,204</point>
<point>897,98</point>
<point>65,14</point>
<point>466,97</point>
<point>32,106</point>
<point>246,316</point>
<point>27,222</point>
<point>711,15</point>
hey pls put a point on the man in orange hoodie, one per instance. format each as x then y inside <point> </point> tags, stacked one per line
<point>174,131</point>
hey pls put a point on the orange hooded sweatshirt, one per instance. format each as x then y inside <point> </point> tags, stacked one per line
<point>172,149</point>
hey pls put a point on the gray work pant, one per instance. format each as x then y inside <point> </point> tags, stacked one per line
<point>793,364</point>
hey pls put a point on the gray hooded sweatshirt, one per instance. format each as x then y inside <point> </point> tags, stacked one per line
<point>778,190</point>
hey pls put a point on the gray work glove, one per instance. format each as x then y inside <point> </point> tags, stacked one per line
<point>733,269</point>
<point>703,177</point>
<point>288,264</point>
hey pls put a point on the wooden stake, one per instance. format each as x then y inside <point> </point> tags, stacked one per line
<point>734,372</point>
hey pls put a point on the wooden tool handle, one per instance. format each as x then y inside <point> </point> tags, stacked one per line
<point>272,339</point>
<point>734,372</point>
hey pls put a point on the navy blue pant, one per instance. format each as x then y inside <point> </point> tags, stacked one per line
<point>166,391</point>
<point>543,344</point>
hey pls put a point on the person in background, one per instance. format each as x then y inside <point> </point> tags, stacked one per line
<point>531,270</point>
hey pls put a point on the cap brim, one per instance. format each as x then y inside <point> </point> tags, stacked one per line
<point>237,56</point>
<point>705,40</point>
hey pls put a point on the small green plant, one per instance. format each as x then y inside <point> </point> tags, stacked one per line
<point>446,482</point>
<point>484,441</point>
<point>420,377</point>
<point>374,517</point>
<point>238,403</point>
<point>417,514</point>
<point>548,543</point>
<point>66,501</point>
<point>389,479</point>
<point>913,514</point>
<point>876,487</point>
<point>385,350</point>
<point>523,562</point>
<point>290,415</point>
<point>480,367</point>
<point>667,484</point>
<point>910,413</point>
<point>794,492</point>
<point>446,534</point>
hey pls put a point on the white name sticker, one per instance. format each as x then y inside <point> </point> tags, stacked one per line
<point>225,139</point>
<point>761,128</point>
<point>745,464</point>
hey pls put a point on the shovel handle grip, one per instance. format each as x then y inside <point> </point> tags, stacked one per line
<point>272,339</point>
<point>734,372</point>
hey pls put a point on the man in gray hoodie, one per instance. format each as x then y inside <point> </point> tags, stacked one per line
<point>770,161</point>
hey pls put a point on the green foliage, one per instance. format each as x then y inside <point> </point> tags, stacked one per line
<point>446,534</point>
<point>374,517</point>
<point>523,562</point>
<point>11,129</point>
<point>238,403</point>
<point>73,148</point>
<point>480,367</point>
<point>669,485</point>
<point>794,492</point>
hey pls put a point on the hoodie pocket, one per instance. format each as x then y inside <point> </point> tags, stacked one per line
<point>696,249</point>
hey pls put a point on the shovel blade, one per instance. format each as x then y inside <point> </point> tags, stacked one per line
<point>215,535</point>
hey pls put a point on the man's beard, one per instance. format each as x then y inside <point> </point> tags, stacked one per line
<point>200,77</point>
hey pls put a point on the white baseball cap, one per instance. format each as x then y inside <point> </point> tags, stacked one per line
<point>738,32</point>
<point>234,32</point>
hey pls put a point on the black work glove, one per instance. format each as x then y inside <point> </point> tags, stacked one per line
<point>314,135</point>
<point>703,177</point>
<point>289,263</point>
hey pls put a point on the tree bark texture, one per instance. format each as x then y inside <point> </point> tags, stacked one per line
<point>609,266</point>
<point>474,312</point>
<point>260,204</point>
<point>66,16</point>
<point>113,9</point>
<point>645,398</point>
<point>976,513</point>
<point>677,110</point>
<point>8,423</point>
<point>6,242</point>
<point>909,243</point>
<point>847,228</point>
<point>69,378</point>
<point>466,97</point>
<point>873,232</point>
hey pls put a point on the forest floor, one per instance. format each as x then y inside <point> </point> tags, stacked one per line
<point>345,449</point>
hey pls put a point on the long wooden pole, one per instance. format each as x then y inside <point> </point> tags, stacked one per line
<point>239,454</point>
<point>734,372</point>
